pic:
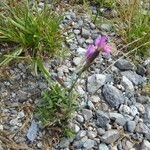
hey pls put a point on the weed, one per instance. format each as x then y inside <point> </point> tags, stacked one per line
<point>34,32</point>
<point>133,23</point>
<point>56,107</point>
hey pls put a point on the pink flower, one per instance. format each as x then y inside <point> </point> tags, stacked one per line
<point>90,51</point>
<point>101,44</point>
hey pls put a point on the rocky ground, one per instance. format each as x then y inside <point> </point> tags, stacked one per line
<point>114,112</point>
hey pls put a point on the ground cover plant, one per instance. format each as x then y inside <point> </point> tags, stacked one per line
<point>133,23</point>
<point>35,33</point>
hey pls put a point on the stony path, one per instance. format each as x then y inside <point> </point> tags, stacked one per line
<point>113,113</point>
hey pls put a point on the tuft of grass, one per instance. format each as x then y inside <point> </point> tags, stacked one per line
<point>34,32</point>
<point>133,23</point>
<point>56,108</point>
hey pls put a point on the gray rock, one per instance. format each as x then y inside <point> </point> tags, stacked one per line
<point>118,118</point>
<point>76,31</point>
<point>124,109</point>
<point>20,115</point>
<point>110,136</point>
<point>87,114</point>
<point>103,146</point>
<point>102,118</point>
<point>89,144</point>
<point>95,99</point>
<point>143,129</point>
<point>79,118</point>
<point>32,132</point>
<point>124,64</point>
<point>140,108</point>
<point>39,145</point>
<point>81,51</point>
<point>133,77</point>
<point>127,84</point>
<point>91,134</point>
<point>101,131</point>
<point>131,126</point>
<point>143,99</point>
<point>134,110</point>
<point>90,105</point>
<point>127,145</point>
<point>22,96</point>
<point>64,143</point>
<point>141,70</point>
<point>81,134</point>
<point>14,122</point>
<point>113,96</point>
<point>145,145</point>
<point>79,144</point>
<point>96,81</point>
<point>105,27</point>
<point>77,60</point>
<point>147,114</point>
<point>86,33</point>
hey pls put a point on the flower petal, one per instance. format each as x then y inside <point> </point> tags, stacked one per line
<point>101,41</point>
<point>90,50</point>
<point>107,49</point>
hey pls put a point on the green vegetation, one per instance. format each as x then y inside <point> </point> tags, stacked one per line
<point>133,23</point>
<point>34,33</point>
<point>56,108</point>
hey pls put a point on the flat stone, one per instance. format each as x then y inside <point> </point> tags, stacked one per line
<point>87,114</point>
<point>102,118</point>
<point>103,146</point>
<point>81,134</point>
<point>124,64</point>
<point>96,81</point>
<point>79,144</point>
<point>133,77</point>
<point>113,96</point>
<point>32,132</point>
<point>118,118</point>
<point>110,136</point>
<point>89,144</point>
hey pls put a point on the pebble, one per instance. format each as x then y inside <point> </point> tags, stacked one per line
<point>100,131</point>
<point>134,110</point>
<point>86,33</point>
<point>91,134</point>
<point>140,70</point>
<point>95,99</point>
<point>145,145</point>
<point>79,118</point>
<point>87,114</point>
<point>89,144</point>
<point>77,60</point>
<point>102,118</point>
<point>95,81</point>
<point>124,64</point>
<point>127,84</point>
<point>81,134</point>
<point>131,126</point>
<point>103,146</point>
<point>81,51</point>
<point>110,136</point>
<point>39,145</point>
<point>124,109</point>
<point>133,77</point>
<point>147,114</point>
<point>105,27</point>
<point>112,95</point>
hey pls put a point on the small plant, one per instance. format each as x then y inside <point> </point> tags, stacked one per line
<point>56,107</point>
<point>35,33</point>
<point>133,23</point>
